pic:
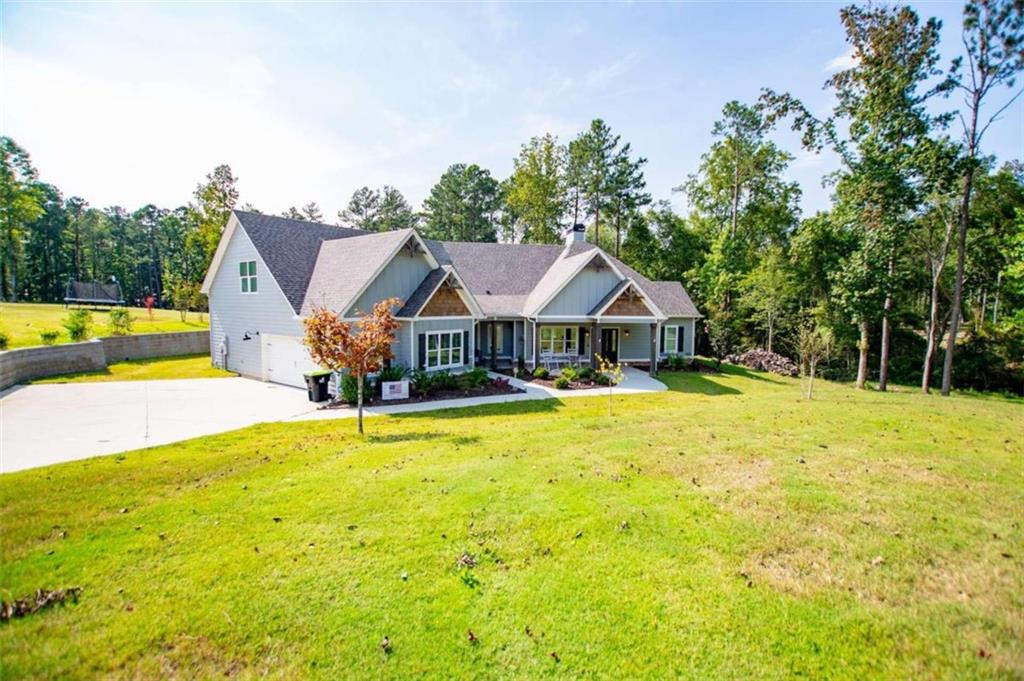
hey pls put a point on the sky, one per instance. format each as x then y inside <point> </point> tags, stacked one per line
<point>131,104</point>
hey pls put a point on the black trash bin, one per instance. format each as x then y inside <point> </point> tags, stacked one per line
<point>316,384</point>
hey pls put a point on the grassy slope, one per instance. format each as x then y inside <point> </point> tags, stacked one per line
<point>754,518</point>
<point>187,366</point>
<point>23,322</point>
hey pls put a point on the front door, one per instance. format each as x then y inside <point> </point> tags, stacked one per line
<point>610,344</point>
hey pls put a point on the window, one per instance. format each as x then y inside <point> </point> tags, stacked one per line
<point>672,340</point>
<point>559,340</point>
<point>444,349</point>
<point>247,273</point>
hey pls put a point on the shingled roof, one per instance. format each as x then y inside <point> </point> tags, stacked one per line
<point>322,264</point>
<point>290,249</point>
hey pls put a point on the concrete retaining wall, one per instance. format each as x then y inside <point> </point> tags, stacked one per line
<point>25,364</point>
<point>121,348</point>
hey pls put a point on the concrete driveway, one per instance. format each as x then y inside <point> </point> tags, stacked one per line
<point>51,423</point>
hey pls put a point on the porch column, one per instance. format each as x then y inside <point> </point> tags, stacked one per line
<point>536,345</point>
<point>595,338</point>
<point>494,345</point>
<point>654,349</point>
<point>472,345</point>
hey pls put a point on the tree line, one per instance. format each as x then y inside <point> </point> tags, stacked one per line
<point>918,260</point>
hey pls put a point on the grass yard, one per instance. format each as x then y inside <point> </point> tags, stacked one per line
<point>23,322</point>
<point>724,529</point>
<point>157,368</point>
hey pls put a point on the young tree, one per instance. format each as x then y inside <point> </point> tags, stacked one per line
<point>814,345</point>
<point>536,193</point>
<point>463,205</point>
<point>334,345</point>
<point>20,204</point>
<point>993,35</point>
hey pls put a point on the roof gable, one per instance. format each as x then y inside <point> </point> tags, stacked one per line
<point>289,248</point>
<point>560,274</point>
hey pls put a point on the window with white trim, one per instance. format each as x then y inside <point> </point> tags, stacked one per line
<point>247,274</point>
<point>671,340</point>
<point>444,349</point>
<point>559,340</point>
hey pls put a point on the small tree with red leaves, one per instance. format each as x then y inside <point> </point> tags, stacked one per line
<point>335,345</point>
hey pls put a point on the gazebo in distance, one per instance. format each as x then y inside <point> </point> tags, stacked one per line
<point>93,293</point>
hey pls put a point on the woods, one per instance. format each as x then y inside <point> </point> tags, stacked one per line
<point>913,273</point>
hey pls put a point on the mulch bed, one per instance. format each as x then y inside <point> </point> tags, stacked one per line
<point>573,385</point>
<point>488,390</point>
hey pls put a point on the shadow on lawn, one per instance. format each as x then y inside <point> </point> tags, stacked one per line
<point>498,409</point>
<point>404,437</point>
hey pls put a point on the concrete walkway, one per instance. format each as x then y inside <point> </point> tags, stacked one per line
<point>52,423</point>
<point>633,381</point>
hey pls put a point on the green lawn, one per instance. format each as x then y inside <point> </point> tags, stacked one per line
<point>24,321</point>
<point>157,368</point>
<point>724,529</point>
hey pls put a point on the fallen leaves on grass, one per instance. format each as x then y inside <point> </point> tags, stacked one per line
<point>43,598</point>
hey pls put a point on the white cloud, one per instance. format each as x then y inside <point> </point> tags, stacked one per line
<point>846,60</point>
<point>604,75</point>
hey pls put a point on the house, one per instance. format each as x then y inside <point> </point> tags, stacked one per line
<point>464,304</point>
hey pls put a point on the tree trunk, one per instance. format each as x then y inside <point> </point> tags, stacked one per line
<point>933,324</point>
<point>359,403</point>
<point>958,286</point>
<point>771,330</point>
<point>810,382</point>
<point>883,368</point>
<point>862,363</point>
<point>735,199</point>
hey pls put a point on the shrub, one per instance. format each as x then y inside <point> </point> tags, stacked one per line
<point>445,380</point>
<point>562,383</point>
<point>675,362</point>
<point>49,337</point>
<point>500,382</point>
<point>350,389</point>
<point>5,340</point>
<point>540,372</point>
<point>586,374</point>
<point>601,379</point>
<point>570,373</point>
<point>389,374</point>
<point>78,325</point>
<point>422,381</point>
<point>474,378</point>
<point>120,322</point>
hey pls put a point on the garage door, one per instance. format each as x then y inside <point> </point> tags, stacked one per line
<point>285,359</point>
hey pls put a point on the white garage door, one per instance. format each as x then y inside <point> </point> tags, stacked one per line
<point>285,359</point>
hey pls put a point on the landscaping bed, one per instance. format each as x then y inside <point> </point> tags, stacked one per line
<point>426,387</point>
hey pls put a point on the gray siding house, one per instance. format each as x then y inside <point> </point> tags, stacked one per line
<point>463,304</point>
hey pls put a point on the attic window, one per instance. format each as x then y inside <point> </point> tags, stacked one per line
<point>247,275</point>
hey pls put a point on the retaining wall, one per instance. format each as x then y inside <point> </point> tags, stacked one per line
<point>25,364</point>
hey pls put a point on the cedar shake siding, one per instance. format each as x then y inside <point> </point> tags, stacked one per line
<point>446,302</point>
<point>629,304</point>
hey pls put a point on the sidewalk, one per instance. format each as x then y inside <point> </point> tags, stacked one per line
<point>633,381</point>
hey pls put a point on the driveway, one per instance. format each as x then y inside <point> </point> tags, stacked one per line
<point>51,423</point>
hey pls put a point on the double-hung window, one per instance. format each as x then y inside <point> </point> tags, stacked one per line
<point>559,340</point>
<point>247,274</point>
<point>444,350</point>
<point>671,340</point>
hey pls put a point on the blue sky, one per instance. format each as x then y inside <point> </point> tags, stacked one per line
<point>130,104</point>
